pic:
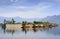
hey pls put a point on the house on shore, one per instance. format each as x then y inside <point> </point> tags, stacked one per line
<point>18,26</point>
<point>13,26</point>
<point>27,26</point>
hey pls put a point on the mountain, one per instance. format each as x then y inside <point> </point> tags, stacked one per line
<point>53,19</point>
<point>19,19</point>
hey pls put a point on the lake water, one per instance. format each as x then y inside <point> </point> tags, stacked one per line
<point>51,33</point>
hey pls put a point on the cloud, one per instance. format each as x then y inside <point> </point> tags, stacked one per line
<point>38,10</point>
<point>26,11</point>
<point>57,0</point>
<point>25,2</point>
<point>13,0</point>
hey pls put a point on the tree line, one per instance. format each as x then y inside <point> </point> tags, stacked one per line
<point>24,22</point>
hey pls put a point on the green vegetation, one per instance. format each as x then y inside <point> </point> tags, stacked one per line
<point>9,22</point>
<point>5,21</point>
<point>1,24</point>
<point>37,22</point>
<point>24,22</point>
<point>13,22</point>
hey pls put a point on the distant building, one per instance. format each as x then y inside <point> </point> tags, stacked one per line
<point>13,26</point>
<point>29,26</point>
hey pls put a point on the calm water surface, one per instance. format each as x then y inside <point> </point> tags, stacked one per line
<point>51,33</point>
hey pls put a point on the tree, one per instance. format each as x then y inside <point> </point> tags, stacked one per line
<point>5,21</point>
<point>13,21</point>
<point>24,22</point>
<point>37,22</point>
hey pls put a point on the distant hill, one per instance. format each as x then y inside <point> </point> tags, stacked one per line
<point>53,19</point>
<point>19,19</point>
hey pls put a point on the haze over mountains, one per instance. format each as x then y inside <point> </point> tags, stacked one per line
<point>54,19</point>
<point>19,19</point>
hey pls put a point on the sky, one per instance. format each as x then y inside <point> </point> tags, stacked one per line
<point>29,8</point>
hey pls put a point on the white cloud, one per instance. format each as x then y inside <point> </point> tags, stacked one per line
<point>40,10</point>
<point>17,0</point>
<point>13,0</point>
<point>28,12</point>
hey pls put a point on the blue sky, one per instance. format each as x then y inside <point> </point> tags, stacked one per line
<point>29,8</point>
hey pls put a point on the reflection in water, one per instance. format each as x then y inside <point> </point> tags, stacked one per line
<point>27,33</point>
<point>24,29</point>
<point>10,31</point>
<point>4,27</point>
<point>55,31</point>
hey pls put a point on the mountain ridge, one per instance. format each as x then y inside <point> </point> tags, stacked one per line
<point>53,19</point>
